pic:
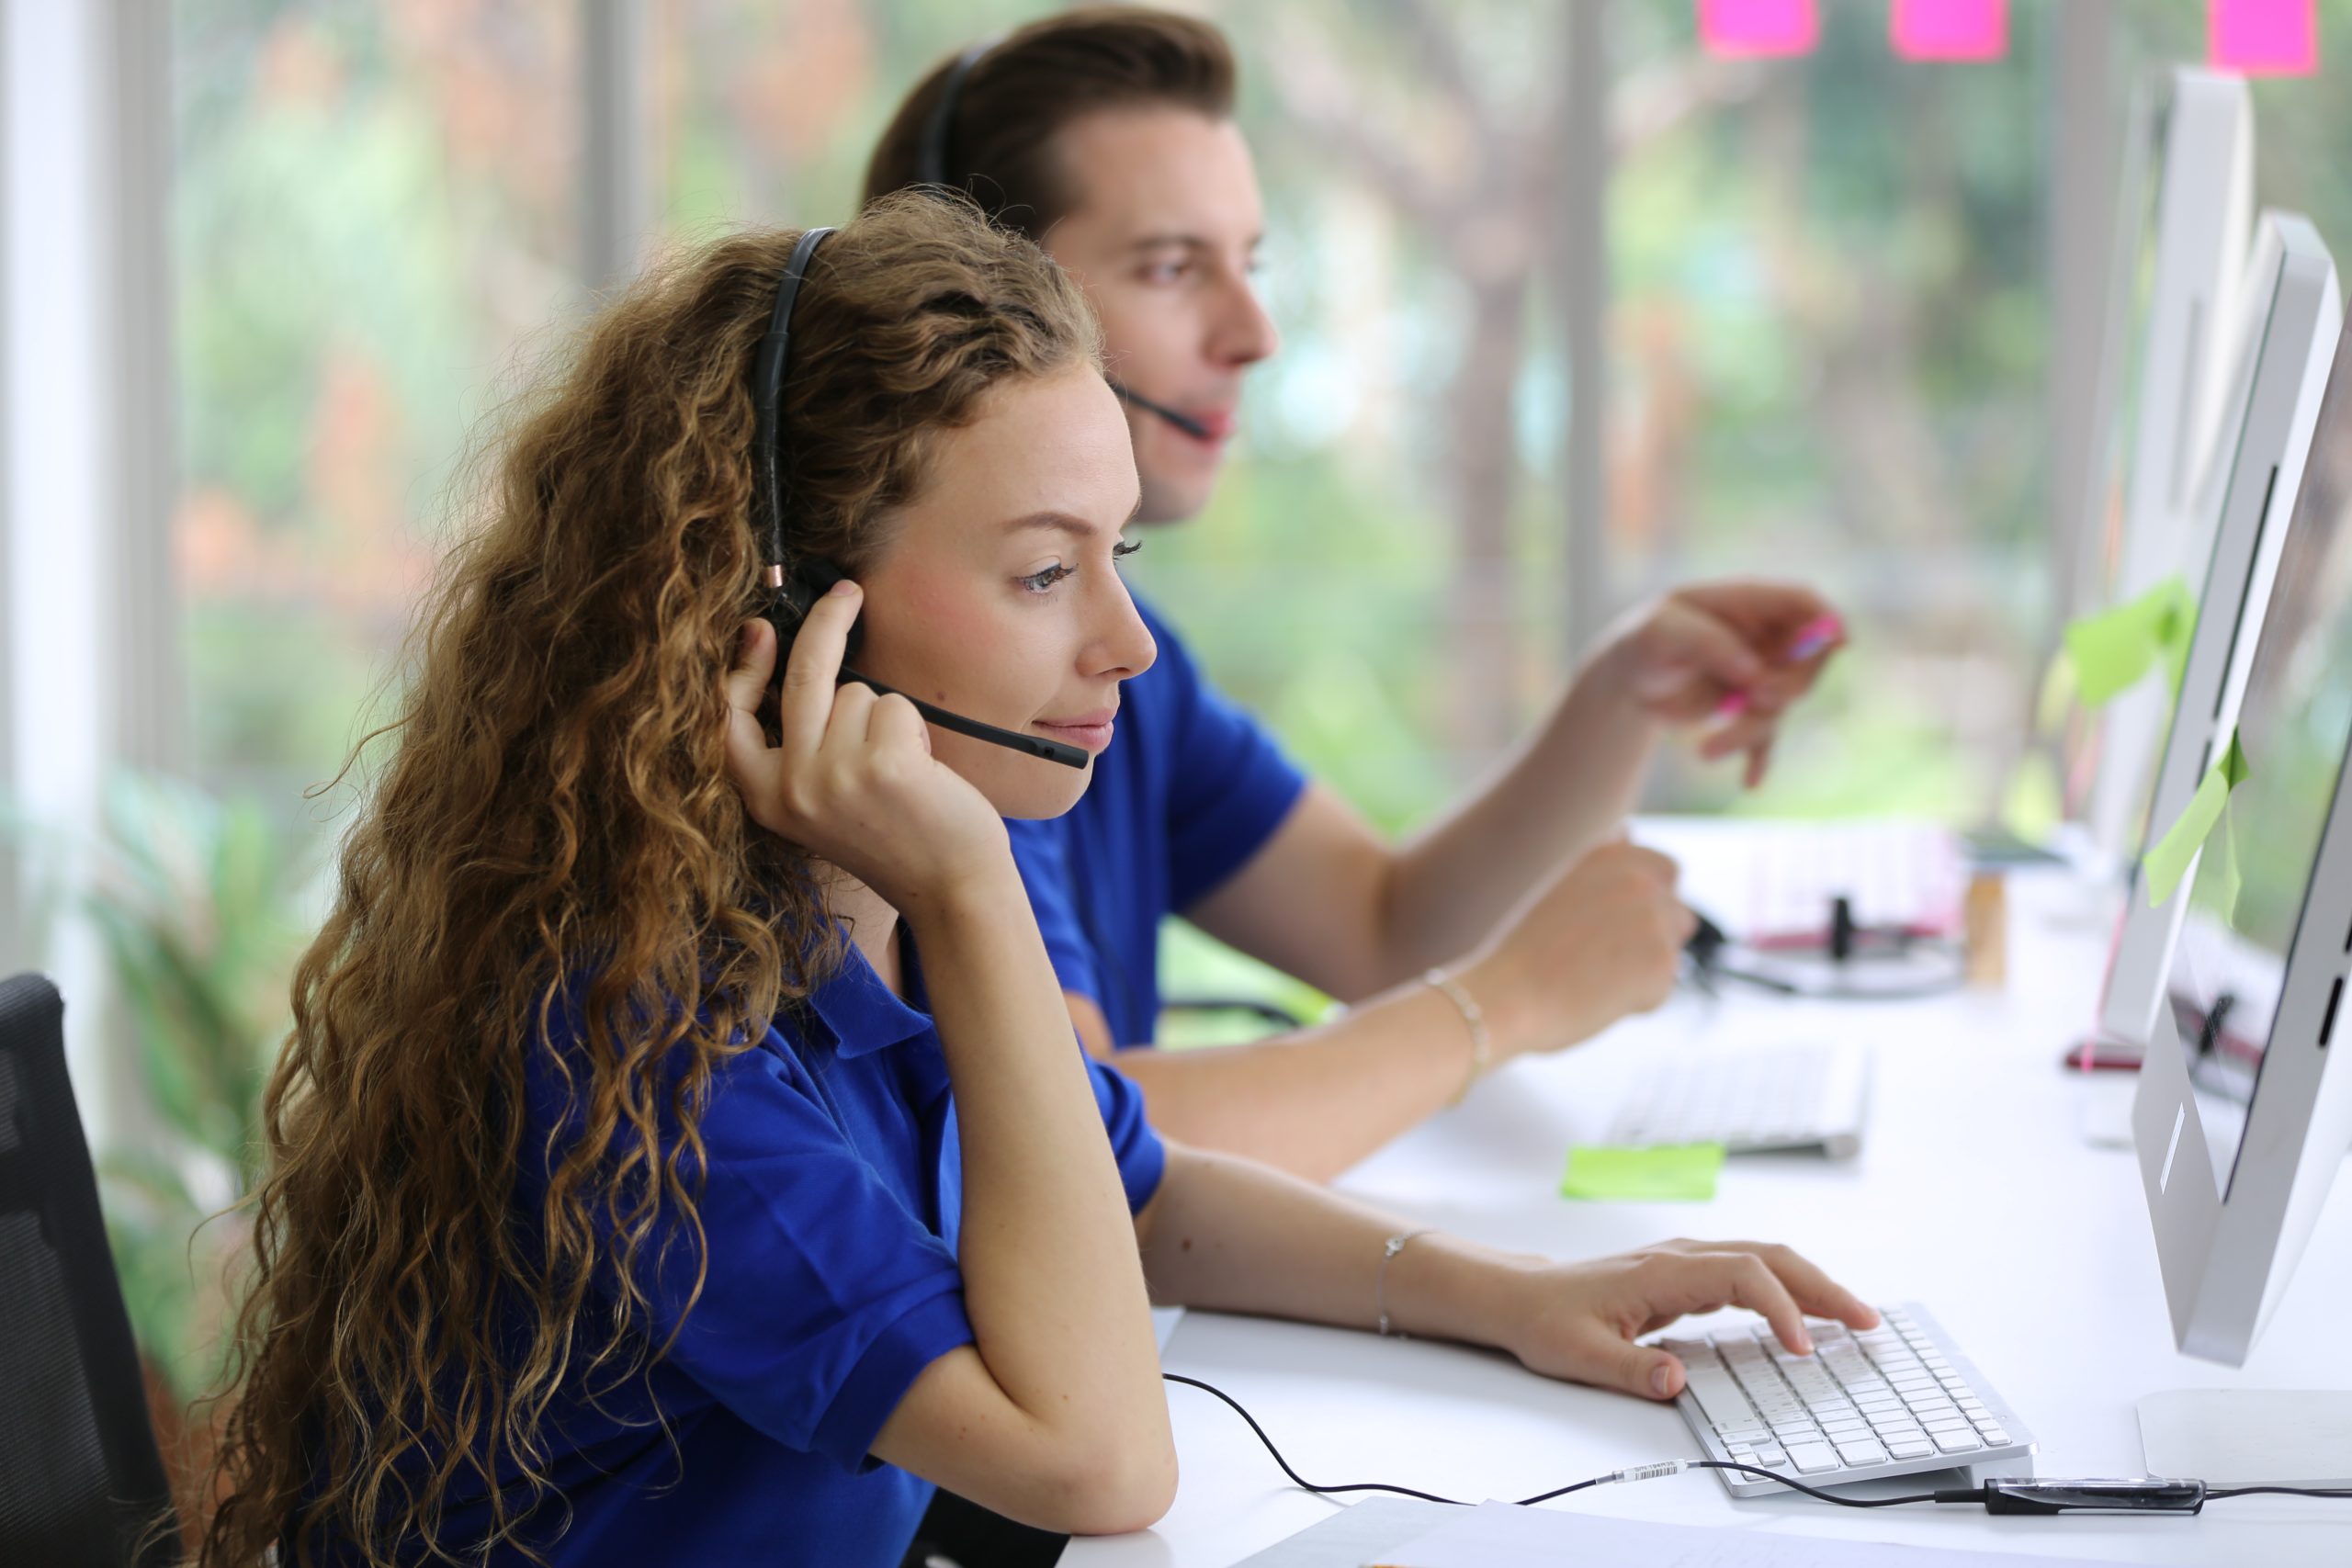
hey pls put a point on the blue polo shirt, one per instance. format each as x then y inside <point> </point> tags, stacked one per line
<point>1189,791</point>
<point>831,1207</point>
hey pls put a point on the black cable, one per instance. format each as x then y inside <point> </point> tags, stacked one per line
<point>1295,1479</point>
<point>1635,1472</point>
<point>1789,1482</point>
<point>1305,1485</point>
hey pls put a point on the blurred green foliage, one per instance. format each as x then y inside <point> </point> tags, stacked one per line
<point>196,902</point>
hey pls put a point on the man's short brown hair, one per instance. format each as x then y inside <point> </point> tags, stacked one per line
<point>1025,87</point>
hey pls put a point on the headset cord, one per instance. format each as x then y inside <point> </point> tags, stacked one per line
<point>1675,1467</point>
<point>1637,1472</point>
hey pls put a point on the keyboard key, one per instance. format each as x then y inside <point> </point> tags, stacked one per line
<point>1958,1442</point>
<point>1995,1437</point>
<point>1746,1437</point>
<point>1771,1458</point>
<point>1861,1453</point>
<point>1720,1397</point>
<point>1811,1459</point>
<point>1910,1447</point>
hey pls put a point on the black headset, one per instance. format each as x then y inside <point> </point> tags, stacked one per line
<point>931,169</point>
<point>795,591</point>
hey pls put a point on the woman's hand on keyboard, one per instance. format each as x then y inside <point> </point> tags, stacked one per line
<point>1580,1321</point>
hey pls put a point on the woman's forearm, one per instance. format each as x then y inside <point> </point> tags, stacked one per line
<point>1234,1236</point>
<point>1231,1235</point>
<point>1051,1280</point>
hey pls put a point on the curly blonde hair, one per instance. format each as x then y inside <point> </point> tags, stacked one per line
<point>556,836</point>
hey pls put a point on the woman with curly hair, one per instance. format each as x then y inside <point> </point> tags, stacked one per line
<point>681,1153</point>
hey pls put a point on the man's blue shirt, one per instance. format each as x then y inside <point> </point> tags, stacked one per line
<point>831,1205</point>
<point>1189,791</point>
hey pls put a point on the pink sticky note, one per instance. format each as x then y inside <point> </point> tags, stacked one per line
<point>1948,29</point>
<point>1751,28</point>
<point>2263,37</point>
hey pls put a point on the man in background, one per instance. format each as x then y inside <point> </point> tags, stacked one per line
<point>1519,920</point>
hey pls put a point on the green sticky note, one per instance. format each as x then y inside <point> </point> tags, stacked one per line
<point>1681,1173</point>
<point>2168,861</point>
<point>2113,650</point>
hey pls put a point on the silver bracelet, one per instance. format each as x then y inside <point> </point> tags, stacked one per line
<point>1390,1249</point>
<point>1482,1044</point>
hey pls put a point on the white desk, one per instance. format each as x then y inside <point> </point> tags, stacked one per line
<point>1976,1196</point>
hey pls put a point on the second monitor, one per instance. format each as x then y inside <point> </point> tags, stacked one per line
<point>2291,346</point>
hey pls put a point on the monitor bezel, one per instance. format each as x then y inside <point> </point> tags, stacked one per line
<point>2228,1247</point>
<point>2282,408</point>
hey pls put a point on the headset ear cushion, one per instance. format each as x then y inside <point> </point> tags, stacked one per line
<point>809,580</point>
<point>815,577</point>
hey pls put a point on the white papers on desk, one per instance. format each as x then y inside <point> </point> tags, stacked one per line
<point>1361,1532</point>
<point>1502,1535</point>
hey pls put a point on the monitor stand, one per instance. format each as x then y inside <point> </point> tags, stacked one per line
<point>2249,1436</point>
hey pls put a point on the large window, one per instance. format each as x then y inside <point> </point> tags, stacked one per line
<point>1827,336</point>
<point>375,216</point>
<point>1829,352</point>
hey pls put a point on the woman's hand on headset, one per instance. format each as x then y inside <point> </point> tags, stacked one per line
<point>852,779</point>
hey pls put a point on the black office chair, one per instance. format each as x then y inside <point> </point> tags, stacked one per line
<point>81,1481</point>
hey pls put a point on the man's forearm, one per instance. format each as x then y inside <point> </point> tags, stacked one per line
<point>1567,788</point>
<point>1316,1102</point>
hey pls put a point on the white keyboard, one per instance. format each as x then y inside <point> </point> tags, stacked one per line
<point>1895,1401</point>
<point>1905,877</point>
<point>1750,1099</point>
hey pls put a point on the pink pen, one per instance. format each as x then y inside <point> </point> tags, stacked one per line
<point>1811,637</point>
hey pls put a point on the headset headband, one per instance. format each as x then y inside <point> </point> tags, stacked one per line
<point>767,404</point>
<point>930,165</point>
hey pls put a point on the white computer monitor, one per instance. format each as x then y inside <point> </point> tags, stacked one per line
<point>2289,360</point>
<point>2240,1121</point>
<point>2173,284</point>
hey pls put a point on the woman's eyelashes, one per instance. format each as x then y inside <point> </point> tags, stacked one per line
<point>1043,581</point>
